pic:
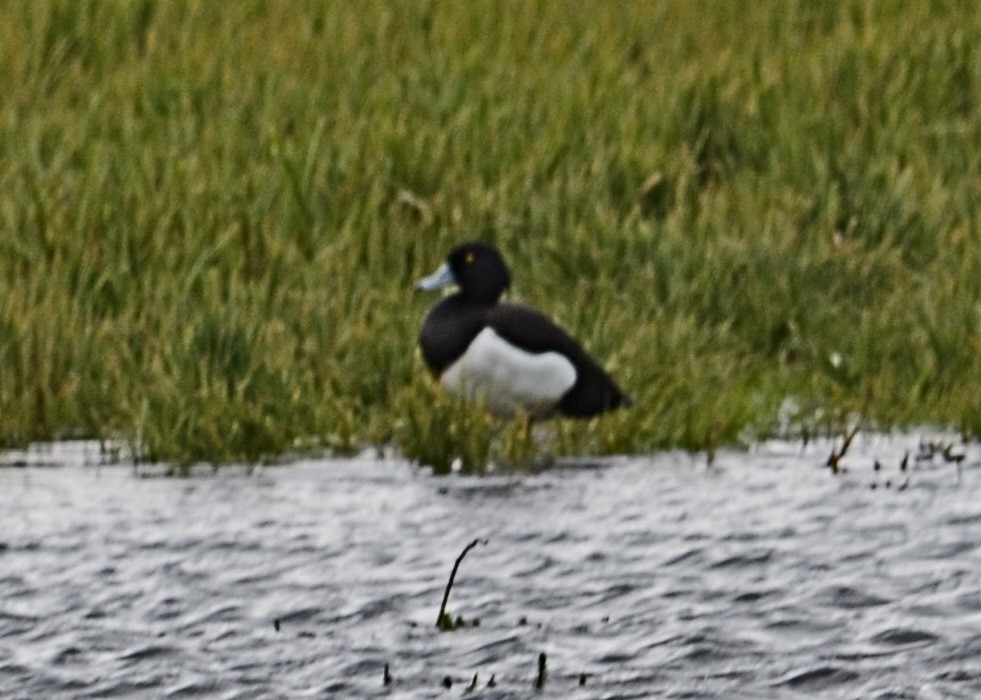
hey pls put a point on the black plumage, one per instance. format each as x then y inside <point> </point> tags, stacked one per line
<point>452,325</point>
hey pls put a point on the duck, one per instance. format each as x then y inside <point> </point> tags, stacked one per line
<point>511,357</point>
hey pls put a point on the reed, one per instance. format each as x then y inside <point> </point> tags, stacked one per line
<point>211,214</point>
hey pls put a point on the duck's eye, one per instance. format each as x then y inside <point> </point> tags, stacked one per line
<point>469,258</point>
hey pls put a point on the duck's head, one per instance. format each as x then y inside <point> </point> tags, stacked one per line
<point>476,268</point>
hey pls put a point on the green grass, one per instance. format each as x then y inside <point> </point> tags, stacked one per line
<point>211,214</point>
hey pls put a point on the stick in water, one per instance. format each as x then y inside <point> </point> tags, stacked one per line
<point>449,584</point>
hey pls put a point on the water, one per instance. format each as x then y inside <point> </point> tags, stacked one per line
<point>764,576</point>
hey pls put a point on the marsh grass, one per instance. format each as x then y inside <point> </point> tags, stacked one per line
<point>211,214</point>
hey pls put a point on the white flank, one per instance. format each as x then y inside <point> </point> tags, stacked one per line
<point>510,380</point>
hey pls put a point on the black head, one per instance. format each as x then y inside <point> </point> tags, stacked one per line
<point>477,269</point>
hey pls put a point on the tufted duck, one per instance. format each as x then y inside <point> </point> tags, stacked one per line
<point>512,356</point>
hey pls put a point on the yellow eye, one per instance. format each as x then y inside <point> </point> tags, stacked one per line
<point>469,257</point>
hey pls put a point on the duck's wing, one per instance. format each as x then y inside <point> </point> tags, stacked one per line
<point>594,390</point>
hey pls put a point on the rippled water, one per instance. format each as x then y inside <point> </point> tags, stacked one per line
<point>764,576</point>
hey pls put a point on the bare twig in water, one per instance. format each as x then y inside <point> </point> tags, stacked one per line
<point>443,620</point>
<point>836,454</point>
<point>542,671</point>
<point>951,456</point>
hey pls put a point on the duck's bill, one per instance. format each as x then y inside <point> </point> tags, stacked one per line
<point>443,277</point>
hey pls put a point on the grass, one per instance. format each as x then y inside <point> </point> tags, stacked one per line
<point>211,214</point>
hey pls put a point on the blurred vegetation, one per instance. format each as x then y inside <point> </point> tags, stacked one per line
<point>211,214</point>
